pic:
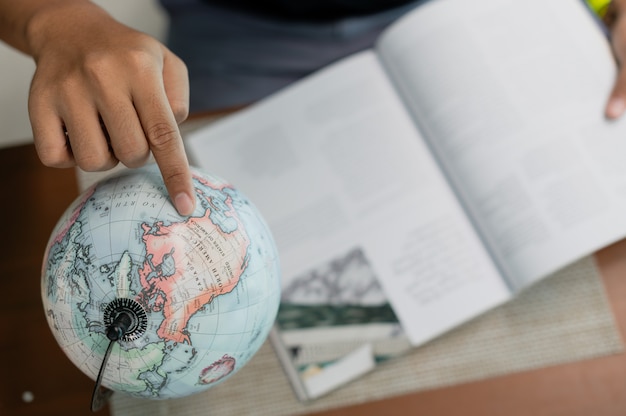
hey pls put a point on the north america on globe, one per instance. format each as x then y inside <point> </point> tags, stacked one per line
<point>209,284</point>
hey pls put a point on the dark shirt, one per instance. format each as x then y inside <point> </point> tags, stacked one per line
<point>300,10</point>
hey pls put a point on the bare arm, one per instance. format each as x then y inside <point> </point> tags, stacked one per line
<point>616,20</point>
<point>102,92</point>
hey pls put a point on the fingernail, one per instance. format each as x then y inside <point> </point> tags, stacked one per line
<point>616,107</point>
<point>184,205</point>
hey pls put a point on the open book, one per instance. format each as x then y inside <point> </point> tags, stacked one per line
<point>463,158</point>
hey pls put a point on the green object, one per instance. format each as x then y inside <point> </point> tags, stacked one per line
<point>599,7</point>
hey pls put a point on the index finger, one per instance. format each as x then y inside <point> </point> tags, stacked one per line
<point>166,144</point>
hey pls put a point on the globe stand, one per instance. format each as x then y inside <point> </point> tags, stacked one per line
<point>126,320</point>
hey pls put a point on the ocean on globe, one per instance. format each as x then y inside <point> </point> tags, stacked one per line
<point>206,288</point>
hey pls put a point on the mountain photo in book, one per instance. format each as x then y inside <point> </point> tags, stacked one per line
<point>466,156</point>
<point>326,317</point>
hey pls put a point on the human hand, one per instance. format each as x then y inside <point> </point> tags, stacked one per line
<point>616,20</point>
<point>104,93</point>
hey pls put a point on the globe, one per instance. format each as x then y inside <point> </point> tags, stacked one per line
<point>200,293</point>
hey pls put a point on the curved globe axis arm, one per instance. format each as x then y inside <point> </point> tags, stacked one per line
<point>124,319</point>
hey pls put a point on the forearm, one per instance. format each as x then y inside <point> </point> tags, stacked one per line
<point>20,20</point>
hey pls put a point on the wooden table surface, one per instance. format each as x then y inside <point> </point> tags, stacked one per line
<point>32,366</point>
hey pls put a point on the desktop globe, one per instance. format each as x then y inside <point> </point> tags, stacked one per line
<point>153,304</point>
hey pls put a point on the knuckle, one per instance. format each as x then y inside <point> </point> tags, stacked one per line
<point>162,136</point>
<point>175,177</point>
<point>96,69</point>
<point>89,165</point>
<point>141,58</point>
<point>46,91</point>
<point>132,157</point>
<point>53,157</point>
<point>49,159</point>
<point>53,160</point>
<point>95,163</point>
<point>100,67</point>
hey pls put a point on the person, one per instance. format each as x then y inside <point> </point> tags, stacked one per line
<point>616,20</point>
<point>92,71</point>
<point>238,51</point>
<point>103,93</point>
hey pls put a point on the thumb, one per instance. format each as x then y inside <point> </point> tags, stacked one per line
<point>616,104</point>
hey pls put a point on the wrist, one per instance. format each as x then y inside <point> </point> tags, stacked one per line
<point>54,20</point>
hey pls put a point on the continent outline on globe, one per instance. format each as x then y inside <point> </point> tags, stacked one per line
<point>210,282</point>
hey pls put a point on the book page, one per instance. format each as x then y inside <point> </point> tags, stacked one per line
<point>335,165</point>
<point>511,96</point>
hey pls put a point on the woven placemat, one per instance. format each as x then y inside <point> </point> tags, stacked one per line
<point>564,318</point>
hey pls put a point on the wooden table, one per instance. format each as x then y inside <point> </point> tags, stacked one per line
<point>33,198</point>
